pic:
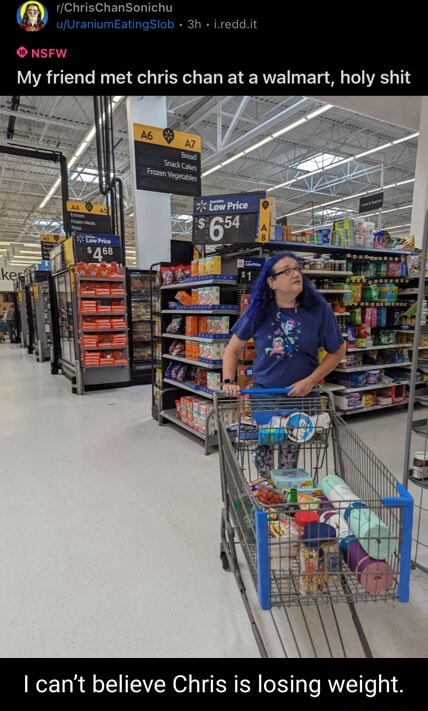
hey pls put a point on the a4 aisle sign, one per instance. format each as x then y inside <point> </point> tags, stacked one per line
<point>225,219</point>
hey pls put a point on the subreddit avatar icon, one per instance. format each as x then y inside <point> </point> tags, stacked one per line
<point>32,16</point>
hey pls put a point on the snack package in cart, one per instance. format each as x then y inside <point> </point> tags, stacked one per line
<point>283,541</point>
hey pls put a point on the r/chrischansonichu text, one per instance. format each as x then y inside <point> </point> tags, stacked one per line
<point>112,8</point>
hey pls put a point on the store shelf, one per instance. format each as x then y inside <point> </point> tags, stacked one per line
<point>224,280</point>
<point>379,304</point>
<point>363,410</point>
<point>116,280</point>
<point>104,330</point>
<point>104,365</point>
<point>328,248</point>
<point>334,291</point>
<point>201,363</point>
<point>203,393</point>
<point>322,272</point>
<point>378,348</point>
<point>380,366</point>
<point>345,313</point>
<point>200,339</point>
<point>171,416</point>
<point>377,386</point>
<point>141,320</point>
<point>103,348</point>
<point>421,483</point>
<point>98,296</point>
<point>225,311</point>
<point>102,314</point>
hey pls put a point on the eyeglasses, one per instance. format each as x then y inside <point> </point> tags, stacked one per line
<point>289,270</point>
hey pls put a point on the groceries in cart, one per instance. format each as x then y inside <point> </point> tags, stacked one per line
<point>321,530</point>
<point>270,428</point>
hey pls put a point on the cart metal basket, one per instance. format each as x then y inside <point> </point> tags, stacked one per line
<point>346,540</point>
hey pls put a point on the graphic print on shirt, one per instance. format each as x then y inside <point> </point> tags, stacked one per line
<point>285,337</point>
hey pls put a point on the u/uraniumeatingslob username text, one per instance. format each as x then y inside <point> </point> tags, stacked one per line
<point>145,25</point>
<point>104,7</point>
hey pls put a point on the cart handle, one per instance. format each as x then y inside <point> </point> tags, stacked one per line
<point>265,391</point>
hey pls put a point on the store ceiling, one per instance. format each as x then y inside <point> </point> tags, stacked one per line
<point>228,125</point>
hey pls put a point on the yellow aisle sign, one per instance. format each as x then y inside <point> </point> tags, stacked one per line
<point>265,210</point>
<point>87,208</point>
<point>52,239</point>
<point>167,137</point>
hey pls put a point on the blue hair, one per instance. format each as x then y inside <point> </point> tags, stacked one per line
<point>261,295</point>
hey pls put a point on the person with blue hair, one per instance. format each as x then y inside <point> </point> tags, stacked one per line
<point>289,322</point>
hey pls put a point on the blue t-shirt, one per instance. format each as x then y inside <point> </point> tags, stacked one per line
<point>287,343</point>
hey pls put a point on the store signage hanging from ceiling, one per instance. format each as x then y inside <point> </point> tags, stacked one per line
<point>226,219</point>
<point>89,218</point>
<point>371,202</point>
<point>167,161</point>
<point>48,242</point>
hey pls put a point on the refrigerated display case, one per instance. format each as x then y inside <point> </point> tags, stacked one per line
<point>42,341</point>
<point>65,325</point>
<point>21,312</point>
<point>138,288</point>
<point>33,276</point>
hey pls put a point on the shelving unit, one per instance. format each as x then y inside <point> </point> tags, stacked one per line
<point>179,363</point>
<point>416,438</point>
<point>368,268</point>
<point>100,361</point>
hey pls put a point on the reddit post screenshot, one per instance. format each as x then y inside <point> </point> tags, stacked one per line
<point>213,355</point>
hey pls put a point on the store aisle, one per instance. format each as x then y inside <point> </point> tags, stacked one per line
<point>109,533</point>
<point>109,528</point>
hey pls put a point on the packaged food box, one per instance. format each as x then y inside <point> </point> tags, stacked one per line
<point>217,324</point>
<point>213,380</point>
<point>283,540</point>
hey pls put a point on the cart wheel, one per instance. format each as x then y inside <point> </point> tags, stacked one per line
<point>224,560</point>
<point>54,370</point>
<point>74,390</point>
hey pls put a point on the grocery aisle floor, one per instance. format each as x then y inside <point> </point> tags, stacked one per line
<point>109,532</point>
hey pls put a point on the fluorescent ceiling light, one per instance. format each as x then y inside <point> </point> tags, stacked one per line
<point>321,160</point>
<point>346,160</point>
<point>88,175</point>
<point>405,138</point>
<point>43,223</point>
<point>269,138</point>
<point>334,202</point>
<point>183,217</point>
<point>27,251</point>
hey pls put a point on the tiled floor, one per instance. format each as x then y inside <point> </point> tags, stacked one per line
<point>109,532</point>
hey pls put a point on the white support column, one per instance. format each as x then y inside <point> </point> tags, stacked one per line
<point>420,192</point>
<point>152,211</point>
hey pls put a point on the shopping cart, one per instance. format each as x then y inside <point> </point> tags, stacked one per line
<point>346,540</point>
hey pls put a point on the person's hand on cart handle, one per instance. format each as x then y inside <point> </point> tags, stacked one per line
<point>301,388</point>
<point>231,388</point>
